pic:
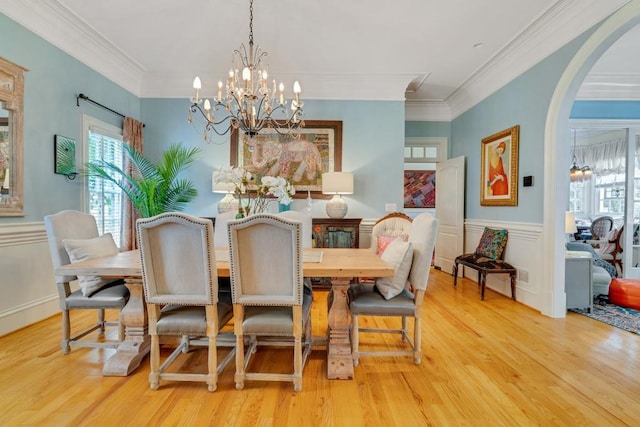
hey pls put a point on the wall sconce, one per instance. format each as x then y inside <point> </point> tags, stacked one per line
<point>228,202</point>
<point>337,183</point>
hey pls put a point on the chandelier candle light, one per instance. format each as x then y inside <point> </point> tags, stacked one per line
<point>249,102</point>
<point>577,173</point>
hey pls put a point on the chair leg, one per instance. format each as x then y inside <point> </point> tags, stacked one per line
<point>354,339</point>
<point>66,332</point>
<point>297,364</point>
<point>212,361</point>
<point>417,340</point>
<point>455,274</point>
<point>483,282</point>
<point>513,286</point>
<point>101,321</point>
<point>154,375</point>
<point>239,376</point>
<point>405,328</point>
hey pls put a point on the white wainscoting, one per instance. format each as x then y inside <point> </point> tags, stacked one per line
<point>524,252</point>
<point>27,286</point>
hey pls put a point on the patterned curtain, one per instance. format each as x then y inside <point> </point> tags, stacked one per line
<point>132,135</point>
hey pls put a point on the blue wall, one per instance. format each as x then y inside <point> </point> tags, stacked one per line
<point>618,110</point>
<point>372,148</point>
<point>525,102</point>
<point>51,85</point>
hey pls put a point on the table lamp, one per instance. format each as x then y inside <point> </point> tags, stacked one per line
<point>569,225</point>
<point>228,202</point>
<point>337,183</point>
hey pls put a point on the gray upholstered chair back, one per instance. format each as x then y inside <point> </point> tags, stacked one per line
<point>306,220</point>
<point>392,225</point>
<point>422,236</point>
<point>178,259</point>
<point>266,260</point>
<point>221,238</point>
<point>67,224</point>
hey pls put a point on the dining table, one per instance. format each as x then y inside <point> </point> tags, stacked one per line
<point>340,264</point>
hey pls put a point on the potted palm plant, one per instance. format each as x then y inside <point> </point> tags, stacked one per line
<point>152,189</point>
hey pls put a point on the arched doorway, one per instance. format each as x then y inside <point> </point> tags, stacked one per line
<point>557,151</point>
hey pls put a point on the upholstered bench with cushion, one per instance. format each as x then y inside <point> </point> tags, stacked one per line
<point>488,259</point>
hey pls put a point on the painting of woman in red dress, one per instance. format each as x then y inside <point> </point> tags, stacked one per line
<point>498,180</point>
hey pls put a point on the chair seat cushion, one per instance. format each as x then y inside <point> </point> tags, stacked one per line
<point>191,320</point>
<point>480,262</point>
<point>274,320</point>
<point>367,300</point>
<point>114,295</point>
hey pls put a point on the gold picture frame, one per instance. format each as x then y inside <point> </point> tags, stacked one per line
<point>301,159</point>
<point>499,169</point>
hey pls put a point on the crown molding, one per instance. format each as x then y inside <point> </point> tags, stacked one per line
<point>427,111</point>
<point>60,27</point>
<point>558,25</point>
<point>346,87</point>
<point>609,86</point>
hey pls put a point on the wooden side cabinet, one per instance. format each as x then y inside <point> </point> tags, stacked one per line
<point>578,279</point>
<point>336,233</point>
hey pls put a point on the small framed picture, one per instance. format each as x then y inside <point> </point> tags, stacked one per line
<point>64,155</point>
<point>419,189</point>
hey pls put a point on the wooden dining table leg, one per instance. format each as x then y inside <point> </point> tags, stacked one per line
<point>339,357</point>
<point>137,343</point>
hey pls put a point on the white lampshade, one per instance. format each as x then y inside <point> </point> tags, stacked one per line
<point>337,183</point>
<point>570,223</point>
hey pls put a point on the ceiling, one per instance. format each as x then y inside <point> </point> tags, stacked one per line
<point>443,55</point>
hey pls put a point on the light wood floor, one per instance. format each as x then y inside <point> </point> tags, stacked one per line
<point>492,362</point>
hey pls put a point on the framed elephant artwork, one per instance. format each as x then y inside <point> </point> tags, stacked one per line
<point>301,158</point>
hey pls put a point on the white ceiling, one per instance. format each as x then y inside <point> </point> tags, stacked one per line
<point>337,49</point>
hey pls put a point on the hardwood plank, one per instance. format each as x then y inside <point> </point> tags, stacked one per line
<point>492,362</point>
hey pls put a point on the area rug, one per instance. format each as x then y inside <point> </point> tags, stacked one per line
<point>614,315</point>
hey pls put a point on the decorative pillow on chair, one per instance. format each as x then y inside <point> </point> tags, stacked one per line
<point>492,243</point>
<point>384,241</point>
<point>82,249</point>
<point>399,255</point>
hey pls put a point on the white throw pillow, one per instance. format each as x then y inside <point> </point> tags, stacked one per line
<point>399,255</point>
<point>82,249</point>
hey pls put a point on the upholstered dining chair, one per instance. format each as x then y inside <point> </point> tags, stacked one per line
<point>79,233</point>
<point>180,283</point>
<point>410,283</point>
<point>269,304</point>
<point>388,228</point>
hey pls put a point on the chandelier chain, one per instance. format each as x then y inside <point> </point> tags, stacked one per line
<point>251,22</point>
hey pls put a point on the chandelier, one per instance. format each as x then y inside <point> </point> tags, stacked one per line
<point>577,173</point>
<point>247,101</point>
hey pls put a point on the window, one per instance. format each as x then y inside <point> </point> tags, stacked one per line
<point>610,195</point>
<point>576,198</point>
<point>103,199</point>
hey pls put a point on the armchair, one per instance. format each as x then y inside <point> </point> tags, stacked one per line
<point>388,228</point>
<point>181,291</point>
<point>80,234</point>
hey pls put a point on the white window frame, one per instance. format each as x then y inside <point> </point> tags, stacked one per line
<point>106,129</point>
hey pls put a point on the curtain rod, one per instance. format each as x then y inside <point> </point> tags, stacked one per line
<point>86,98</point>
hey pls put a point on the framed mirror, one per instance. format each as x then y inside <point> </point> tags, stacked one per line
<point>11,138</point>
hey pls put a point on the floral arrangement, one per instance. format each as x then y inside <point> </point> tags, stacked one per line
<point>255,201</point>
